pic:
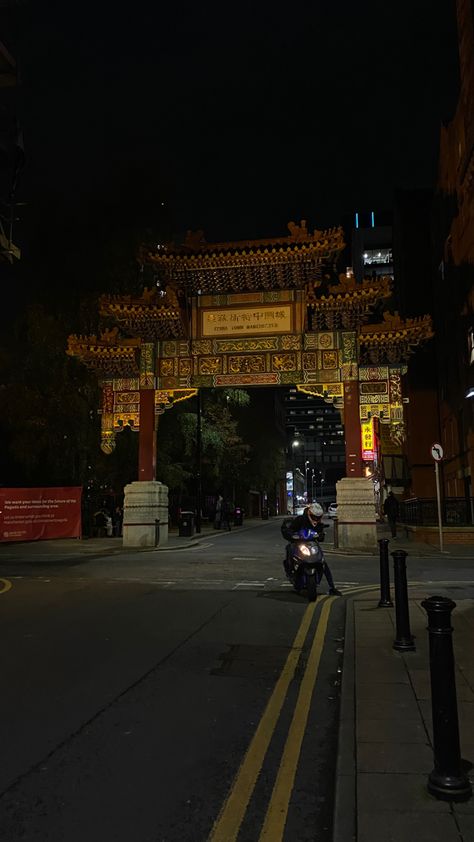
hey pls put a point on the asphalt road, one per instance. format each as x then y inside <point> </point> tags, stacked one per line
<point>186,695</point>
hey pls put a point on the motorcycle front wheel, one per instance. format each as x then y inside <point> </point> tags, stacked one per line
<point>311,588</point>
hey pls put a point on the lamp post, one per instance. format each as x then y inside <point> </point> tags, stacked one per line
<point>199,462</point>
<point>312,484</point>
<point>322,483</point>
<point>306,469</point>
<point>294,445</point>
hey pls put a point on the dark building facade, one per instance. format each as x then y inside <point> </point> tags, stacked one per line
<point>454,276</point>
<point>372,249</point>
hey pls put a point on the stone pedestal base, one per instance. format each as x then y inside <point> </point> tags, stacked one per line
<point>145,514</point>
<point>356,515</point>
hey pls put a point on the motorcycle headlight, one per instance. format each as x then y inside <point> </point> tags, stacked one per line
<point>305,550</point>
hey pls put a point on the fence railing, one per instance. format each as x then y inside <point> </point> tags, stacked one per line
<point>423,511</point>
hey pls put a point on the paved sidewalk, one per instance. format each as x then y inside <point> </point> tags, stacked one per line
<point>385,737</point>
<point>66,549</point>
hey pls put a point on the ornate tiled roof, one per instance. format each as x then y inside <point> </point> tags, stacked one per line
<point>107,355</point>
<point>347,304</point>
<point>275,263</point>
<point>393,339</point>
<point>152,316</point>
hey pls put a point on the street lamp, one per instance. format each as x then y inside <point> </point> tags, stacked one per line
<point>312,485</point>
<point>306,469</point>
<point>322,483</point>
<point>294,445</point>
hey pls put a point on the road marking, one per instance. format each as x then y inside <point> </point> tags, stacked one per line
<point>244,558</point>
<point>275,819</point>
<point>228,822</point>
<point>248,585</point>
<point>5,585</point>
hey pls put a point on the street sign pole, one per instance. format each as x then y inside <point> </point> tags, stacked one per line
<point>438,497</point>
<point>437,454</point>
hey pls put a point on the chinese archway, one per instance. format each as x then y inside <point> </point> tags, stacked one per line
<point>259,313</point>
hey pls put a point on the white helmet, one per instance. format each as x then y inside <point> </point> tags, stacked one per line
<point>316,510</point>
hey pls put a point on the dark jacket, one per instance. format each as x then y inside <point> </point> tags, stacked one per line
<point>294,524</point>
<point>390,507</point>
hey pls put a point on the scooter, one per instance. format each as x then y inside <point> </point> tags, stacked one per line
<point>304,563</point>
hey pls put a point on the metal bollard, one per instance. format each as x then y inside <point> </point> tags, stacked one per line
<point>447,780</point>
<point>404,639</point>
<point>385,600</point>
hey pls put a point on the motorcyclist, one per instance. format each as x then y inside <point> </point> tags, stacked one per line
<point>309,521</point>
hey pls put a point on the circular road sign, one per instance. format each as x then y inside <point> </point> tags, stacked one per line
<point>437,452</point>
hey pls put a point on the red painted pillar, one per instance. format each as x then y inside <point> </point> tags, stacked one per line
<point>352,429</point>
<point>147,436</point>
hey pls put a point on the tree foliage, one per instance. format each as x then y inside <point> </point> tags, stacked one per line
<point>223,452</point>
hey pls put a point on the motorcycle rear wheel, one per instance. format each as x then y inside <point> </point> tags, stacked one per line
<point>311,588</point>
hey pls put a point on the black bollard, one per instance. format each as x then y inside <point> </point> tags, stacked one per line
<point>447,780</point>
<point>385,600</point>
<point>404,639</point>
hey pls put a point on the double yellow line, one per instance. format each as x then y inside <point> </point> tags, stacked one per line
<point>227,825</point>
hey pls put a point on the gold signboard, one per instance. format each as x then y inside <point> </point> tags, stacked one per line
<point>367,440</point>
<point>247,321</point>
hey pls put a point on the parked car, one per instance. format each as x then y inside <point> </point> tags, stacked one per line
<point>332,510</point>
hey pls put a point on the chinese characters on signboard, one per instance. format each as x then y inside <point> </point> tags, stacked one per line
<point>367,440</point>
<point>247,321</point>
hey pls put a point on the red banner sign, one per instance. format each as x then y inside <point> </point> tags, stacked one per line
<point>35,514</point>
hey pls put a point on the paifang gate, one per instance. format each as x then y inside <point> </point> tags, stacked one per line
<point>240,314</point>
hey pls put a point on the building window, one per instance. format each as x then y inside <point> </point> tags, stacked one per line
<point>377,256</point>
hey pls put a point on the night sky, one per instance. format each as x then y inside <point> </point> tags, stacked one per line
<point>233,118</point>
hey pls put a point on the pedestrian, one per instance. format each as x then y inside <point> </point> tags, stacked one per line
<point>117,520</point>
<point>109,529</point>
<point>100,523</point>
<point>390,509</point>
<point>311,519</point>
<point>226,514</point>
<point>218,514</point>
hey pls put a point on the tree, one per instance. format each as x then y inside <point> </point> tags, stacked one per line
<point>223,453</point>
<point>46,417</point>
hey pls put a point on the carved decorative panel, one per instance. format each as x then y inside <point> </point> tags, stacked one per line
<point>202,346</point>
<point>284,362</point>
<point>378,372</point>
<point>223,346</point>
<point>349,347</point>
<point>330,359</point>
<point>167,367</point>
<point>210,365</point>
<point>248,364</point>
<point>291,343</point>
<point>310,361</point>
<point>147,365</point>
<point>185,367</point>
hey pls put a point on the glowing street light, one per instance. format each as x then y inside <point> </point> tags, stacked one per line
<point>306,469</point>
<point>294,445</point>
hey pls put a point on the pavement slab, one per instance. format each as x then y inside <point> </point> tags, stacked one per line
<point>392,741</point>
